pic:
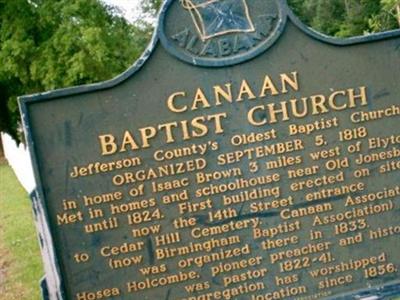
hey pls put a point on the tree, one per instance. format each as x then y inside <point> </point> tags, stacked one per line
<point>346,18</point>
<point>388,17</point>
<point>340,18</point>
<point>151,6</point>
<point>47,44</point>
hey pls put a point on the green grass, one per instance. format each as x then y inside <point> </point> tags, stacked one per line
<point>20,261</point>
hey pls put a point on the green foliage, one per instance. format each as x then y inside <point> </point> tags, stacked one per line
<point>151,6</point>
<point>339,18</point>
<point>47,44</point>
<point>388,18</point>
<point>347,18</point>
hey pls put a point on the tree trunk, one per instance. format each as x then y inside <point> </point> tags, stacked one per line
<point>347,7</point>
<point>398,13</point>
<point>1,148</point>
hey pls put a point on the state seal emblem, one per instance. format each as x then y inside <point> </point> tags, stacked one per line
<point>218,17</point>
<point>217,33</point>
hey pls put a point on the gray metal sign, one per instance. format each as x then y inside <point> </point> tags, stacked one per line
<point>243,156</point>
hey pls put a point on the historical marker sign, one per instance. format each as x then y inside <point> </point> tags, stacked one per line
<point>243,157</point>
